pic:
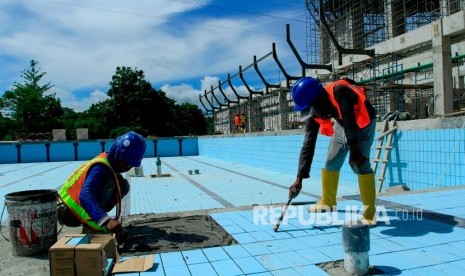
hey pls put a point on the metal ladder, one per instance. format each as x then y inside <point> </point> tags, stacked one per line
<point>388,132</point>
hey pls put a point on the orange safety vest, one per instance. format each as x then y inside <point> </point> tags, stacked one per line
<point>237,120</point>
<point>71,190</point>
<point>362,117</point>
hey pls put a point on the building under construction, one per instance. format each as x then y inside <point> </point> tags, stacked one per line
<point>408,54</point>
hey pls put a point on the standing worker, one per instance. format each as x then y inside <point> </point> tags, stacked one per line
<point>352,131</point>
<point>243,122</point>
<point>237,122</point>
<point>98,186</point>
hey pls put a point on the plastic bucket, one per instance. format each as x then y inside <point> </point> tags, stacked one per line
<point>32,219</point>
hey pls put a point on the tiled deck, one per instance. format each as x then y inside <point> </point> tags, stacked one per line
<point>410,244</point>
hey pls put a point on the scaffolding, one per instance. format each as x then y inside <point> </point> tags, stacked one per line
<point>351,28</point>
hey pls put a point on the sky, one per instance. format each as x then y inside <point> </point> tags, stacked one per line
<point>184,47</point>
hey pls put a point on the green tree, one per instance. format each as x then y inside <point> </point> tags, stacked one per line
<point>31,109</point>
<point>137,105</point>
<point>97,119</point>
<point>190,120</point>
<point>7,127</point>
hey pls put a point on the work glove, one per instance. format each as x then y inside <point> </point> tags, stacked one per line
<point>356,157</point>
<point>114,226</point>
<point>295,188</point>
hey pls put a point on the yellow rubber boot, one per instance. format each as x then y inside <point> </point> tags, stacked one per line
<point>329,182</point>
<point>366,183</point>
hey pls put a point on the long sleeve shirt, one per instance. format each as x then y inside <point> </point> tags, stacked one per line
<point>346,99</point>
<point>98,194</point>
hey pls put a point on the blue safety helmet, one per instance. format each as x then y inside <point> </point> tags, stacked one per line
<point>130,147</point>
<point>305,91</point>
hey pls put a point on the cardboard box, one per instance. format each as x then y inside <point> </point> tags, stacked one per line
<point>85,254</point>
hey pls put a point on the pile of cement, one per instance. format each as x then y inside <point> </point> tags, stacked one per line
<point>153,234</point>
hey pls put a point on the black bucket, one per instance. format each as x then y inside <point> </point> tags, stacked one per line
<point>32,218</point>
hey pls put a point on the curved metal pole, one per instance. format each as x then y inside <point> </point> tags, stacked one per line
<point>267,84</point>
<point>251,92</point>
<point>206,109</point>
<point>206,98</point>
<point>224,95</point>
<point>213,94</point>
<point>234,90</point>
<point>339,48</point>
<point>288,77</point>
<point>303,64</point>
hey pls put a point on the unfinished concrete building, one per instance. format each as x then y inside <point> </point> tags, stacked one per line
<point>408,54</point>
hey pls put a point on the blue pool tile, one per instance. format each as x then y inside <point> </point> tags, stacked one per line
<point>280,234</point>
<point>250,265</point>
<point>276,246</point>
<point>194,256</point>
<point>272,262</point>
<point>440,255</point>
<point>411,242</point>
<point>460,264</point>
<point>202,269</point>
<point>215,254</point>
<point>313,255</point>
<point>261,236</point>
<point>441,269</point>
<point>226,267</point>
<point>335,252</point>
<point>177,270</point>
<point>233,229</point>
<point>244,238</point>
<point>389,245</point>
<point>225,222</point>
<point>310,270</point>
<point>285,272</point>
<point>293,259</point>
<point>404,260</point>
<point>172,259</point>
<point>256,248</point>
<point>236,251</point>
<point>249,227</point>
<point>318,241</point>
<point>295,243</point>
<point>298,233</point>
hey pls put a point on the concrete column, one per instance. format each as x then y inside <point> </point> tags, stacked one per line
<point>283,112</point>
<point>395,24</point>
<point>356,244</point>
<point>444,7</point>
<point>442,64</point>
<point>388,16</point>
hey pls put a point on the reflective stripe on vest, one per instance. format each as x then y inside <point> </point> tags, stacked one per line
<point>71,190</point>
<point>362,117</point>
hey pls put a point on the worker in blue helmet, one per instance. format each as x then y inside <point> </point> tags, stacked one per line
<point>342,111</point>
<point>98,186</point>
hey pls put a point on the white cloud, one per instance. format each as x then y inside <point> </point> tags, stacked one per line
<point>70,100</point>
<point>79,44</point>
<point>183,93</point>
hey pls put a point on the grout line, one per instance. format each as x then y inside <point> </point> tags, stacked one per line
<point>253,177</point>
<point>209,192</point>
<point>30,176</point>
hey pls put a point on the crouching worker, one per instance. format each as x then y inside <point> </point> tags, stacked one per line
<point>340,110</point>
<point>98,186</point>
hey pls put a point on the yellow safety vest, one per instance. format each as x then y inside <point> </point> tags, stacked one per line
<point>70,191</point>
